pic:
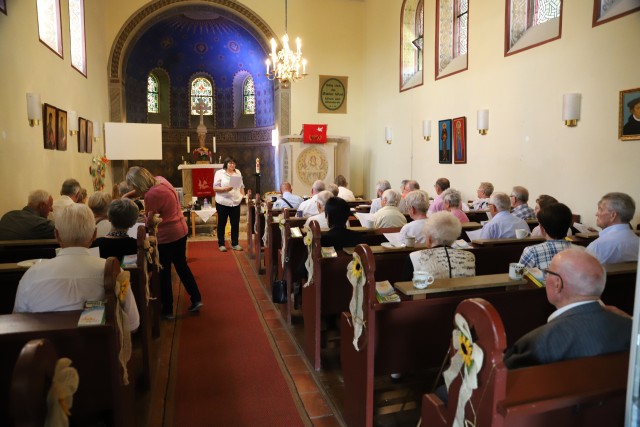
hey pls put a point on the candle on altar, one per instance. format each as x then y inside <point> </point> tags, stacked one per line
<point>257,165</point>
<point>214,144</point>
<point>188,145</point>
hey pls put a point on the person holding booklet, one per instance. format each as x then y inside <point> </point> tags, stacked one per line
<point>227,183</point>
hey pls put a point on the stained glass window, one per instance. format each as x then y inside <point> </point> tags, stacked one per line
<point>452,33</point>
<point>153,105</point>
<point>411,60</point>
<point>201,90</point>
<point>527,14</point>
<point>49,29</point>
<point>249,96</point>
<point>76,29</point>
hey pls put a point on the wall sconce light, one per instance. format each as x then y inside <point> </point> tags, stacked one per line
<point>388,134</point>
<point>426,130</point>
<point>97,131</point>
<point>34,109</point>
<point>72,122</point>
<point>275,137</point>
<point>571,109</point>
<point>483,122</point>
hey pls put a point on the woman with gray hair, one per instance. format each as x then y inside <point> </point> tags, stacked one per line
<point>417,202</point>
<point>440,260</point>
<point>484,192</point>
<point>99,205</point>
<point>123,214</point>
<point>452,200</point>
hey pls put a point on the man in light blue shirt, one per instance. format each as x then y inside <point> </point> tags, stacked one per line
<point>288,199</point>
<point>617,241</point>
<point>503,225</point>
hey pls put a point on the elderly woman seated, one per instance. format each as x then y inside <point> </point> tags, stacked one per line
<point>99,205</point>
<point>123,214</point>
<point>452,201</point>
<point>417,203</point>
<point>321,201</point>
<point>440,260</point>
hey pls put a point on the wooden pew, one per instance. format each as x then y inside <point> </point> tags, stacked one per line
<point>93,350</point>
<point>259,228</point>
<point>20,250</point>
<point>588,391</point>
<point>10,275</point>
<point>476,216</point>
<point>30,383</point>
<point>412,326</point>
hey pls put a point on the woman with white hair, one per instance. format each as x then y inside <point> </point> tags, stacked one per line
<point>452,201</point>
<point>321,201</point>
<point>440,259</point>
<point>417,202</point>
<point>389,216</point>
<point>381,186</point>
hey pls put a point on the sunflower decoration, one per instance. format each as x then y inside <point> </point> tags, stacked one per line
<point>465,362</point>
<point>122,285</point>
<point>308,236</point>
<point>356,268</point>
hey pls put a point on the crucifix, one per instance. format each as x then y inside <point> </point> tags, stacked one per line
<point>201,108</point>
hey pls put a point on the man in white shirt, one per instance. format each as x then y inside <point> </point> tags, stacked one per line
<point>381,186</point>
<point>503,225</point>
<point>309,207</point>
<point>70,193</point>
<point>417,202</point>
<point>617,241</point>
<point>74,276</point>
<point>343,192</point>
<point>389,216</point>
<point>288,199</point>
<point>321,201</point>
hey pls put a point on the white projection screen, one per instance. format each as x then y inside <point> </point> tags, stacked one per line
<point>133,141</point>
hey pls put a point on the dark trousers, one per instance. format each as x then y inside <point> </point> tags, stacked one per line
<point>175,253</point>
<point>233,214</point>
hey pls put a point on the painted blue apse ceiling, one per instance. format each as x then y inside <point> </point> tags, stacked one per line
<point>186,45</point>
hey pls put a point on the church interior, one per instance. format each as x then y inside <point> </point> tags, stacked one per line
<point>403,83</point>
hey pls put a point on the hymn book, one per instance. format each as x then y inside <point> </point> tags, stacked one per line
<point>385,292</point>
<point>93,314</point>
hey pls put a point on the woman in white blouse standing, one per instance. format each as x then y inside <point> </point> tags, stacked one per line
<point>229,188</point>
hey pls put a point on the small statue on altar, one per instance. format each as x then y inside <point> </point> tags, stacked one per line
<point>202,154</point>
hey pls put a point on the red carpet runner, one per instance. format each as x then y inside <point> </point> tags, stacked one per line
<point>227,373</point>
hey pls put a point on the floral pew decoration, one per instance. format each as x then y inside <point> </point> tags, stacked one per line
<point>357,280</point>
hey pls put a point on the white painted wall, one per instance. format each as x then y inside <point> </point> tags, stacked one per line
<point>29,66</point>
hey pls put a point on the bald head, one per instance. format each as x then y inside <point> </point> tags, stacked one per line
<point>582,275</point>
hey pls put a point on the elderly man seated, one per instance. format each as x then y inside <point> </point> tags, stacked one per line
<point>70,193</point>
<point>389,216</point>
<point>417,202</point>
<point>309,207</point>
<point>503,225</point>
<point>31,222</point>
<point>410,186</point>
<point>343,191</point>
<point>381,186</point>
<point>519,199</point>
<point>617,241</point>
<point>580,326</point>
<point>555,220</point>
<point>74,276</point>
<point>288,199</point>
<point>321,201</point>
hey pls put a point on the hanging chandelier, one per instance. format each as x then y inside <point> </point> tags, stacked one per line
<point>286,65</point>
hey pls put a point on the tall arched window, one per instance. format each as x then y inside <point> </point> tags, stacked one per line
<point>201,90</point>
<point>249,96</point>
<point>452,36</point>
<point>153,104</point>
<point>412,42</point>
<point>531,23</point>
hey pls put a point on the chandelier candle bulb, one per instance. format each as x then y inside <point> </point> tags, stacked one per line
<point>188,145</point>
<point>298,45</point>
<point>214,144</point>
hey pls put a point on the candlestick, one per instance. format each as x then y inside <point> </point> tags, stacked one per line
<point>214,144</point>
<point>188,145</point>
<point>257,165</point>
